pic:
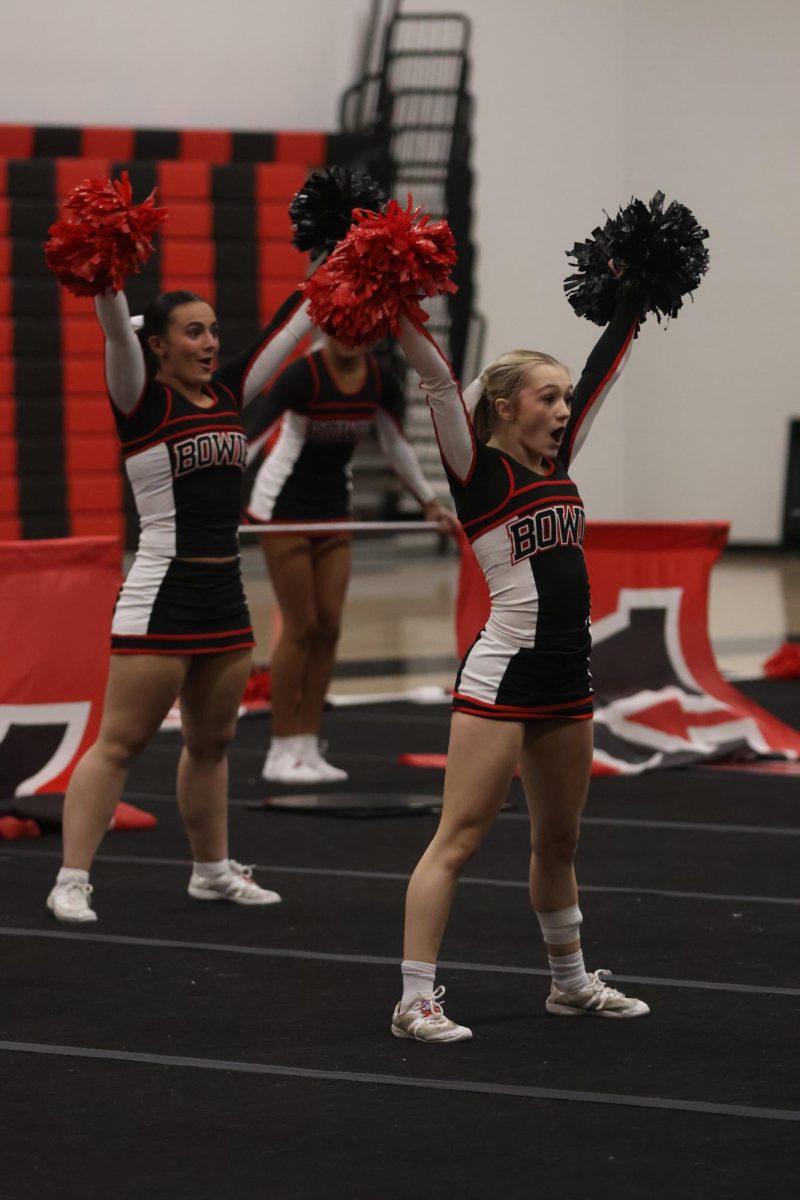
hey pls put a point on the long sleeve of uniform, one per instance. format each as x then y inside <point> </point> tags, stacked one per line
<point>248,373</point>
<point>286,402</point>
<point>394,444</point>
<point>603,368</point>
<point>472,394</point>
<point>126,373</point>
<point>451,421</point>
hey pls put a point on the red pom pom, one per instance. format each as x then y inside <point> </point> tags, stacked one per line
<point>105,237</point>
<point>379,272</point>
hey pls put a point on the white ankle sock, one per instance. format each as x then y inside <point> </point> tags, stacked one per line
<point>569,973</point>
<point>417,977</point>
<point>212,870</point>
<point>283,745</point>
<point>307,745</point>
<point>72,875</point>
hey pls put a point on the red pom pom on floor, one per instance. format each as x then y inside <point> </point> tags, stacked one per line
<point>104,238</point>
<point>378,273</point>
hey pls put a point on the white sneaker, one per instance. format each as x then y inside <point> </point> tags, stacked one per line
<point>596,1000</point>
<point>314,757</point>
<point>237,884</point>
<point>285,766</point>
<point>70,902</point>
<point>424,1020</point>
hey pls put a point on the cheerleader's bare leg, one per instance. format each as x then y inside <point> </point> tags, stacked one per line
<point>140,691</point>
<point>481,760</point>
<point>331,560</point>
<point>556,765</point>
<point>209,699</point>
<point>291,574</point>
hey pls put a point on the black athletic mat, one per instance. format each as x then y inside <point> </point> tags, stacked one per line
<point>176,1049</point>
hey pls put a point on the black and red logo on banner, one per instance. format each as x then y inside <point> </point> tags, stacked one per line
<point>660,699</point>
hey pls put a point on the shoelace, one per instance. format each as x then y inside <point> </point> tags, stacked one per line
<point>240,869</point>
<point>435,1012</point>
<point>603,993</point>
<point>73,885</point>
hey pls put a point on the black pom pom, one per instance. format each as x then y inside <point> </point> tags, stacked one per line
<point>322,210</point>
<point>662,253</point>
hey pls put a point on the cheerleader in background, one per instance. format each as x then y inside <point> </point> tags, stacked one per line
<point>325,403</point>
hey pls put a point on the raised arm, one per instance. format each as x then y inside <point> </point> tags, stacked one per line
<point>249,372</point>
<point>603,368</point>
<point>450,418</point>
<point>400,454</point>
<point>126,373</point>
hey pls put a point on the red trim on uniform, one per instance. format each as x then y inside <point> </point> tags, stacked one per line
<point>177,637</point>
<point>224,387</point>
<point>575,500</point>
<point>519,708</point>
<point>528,486</point>
<point>129,449</point>
<point>602,385</point>
<point>164,419</point>
<point>315,380</point>
<point>522,715</point>
<point>512,491</point>
<point>188,653</point>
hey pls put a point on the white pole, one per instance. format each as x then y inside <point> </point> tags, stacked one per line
<point>343,527</point>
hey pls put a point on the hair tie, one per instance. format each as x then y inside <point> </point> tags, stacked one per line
<point>137,323</point>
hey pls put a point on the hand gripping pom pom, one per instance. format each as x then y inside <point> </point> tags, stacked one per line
<point>322,210</point>
<point>661,250</point>
<point>379,272</point>
<point>104,238</point>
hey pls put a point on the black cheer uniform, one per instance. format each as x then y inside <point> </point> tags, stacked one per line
<point>312,430</point>
<point>531,660</point>
<point>185,465</point>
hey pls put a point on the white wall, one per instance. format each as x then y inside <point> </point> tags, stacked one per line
<point>227,64</point>
<point>579,104</point>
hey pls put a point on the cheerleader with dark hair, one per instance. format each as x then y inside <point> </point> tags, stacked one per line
<point>181,626</point>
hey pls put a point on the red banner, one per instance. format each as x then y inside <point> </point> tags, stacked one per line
<point>56,601</point>
<point>659,697</point>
